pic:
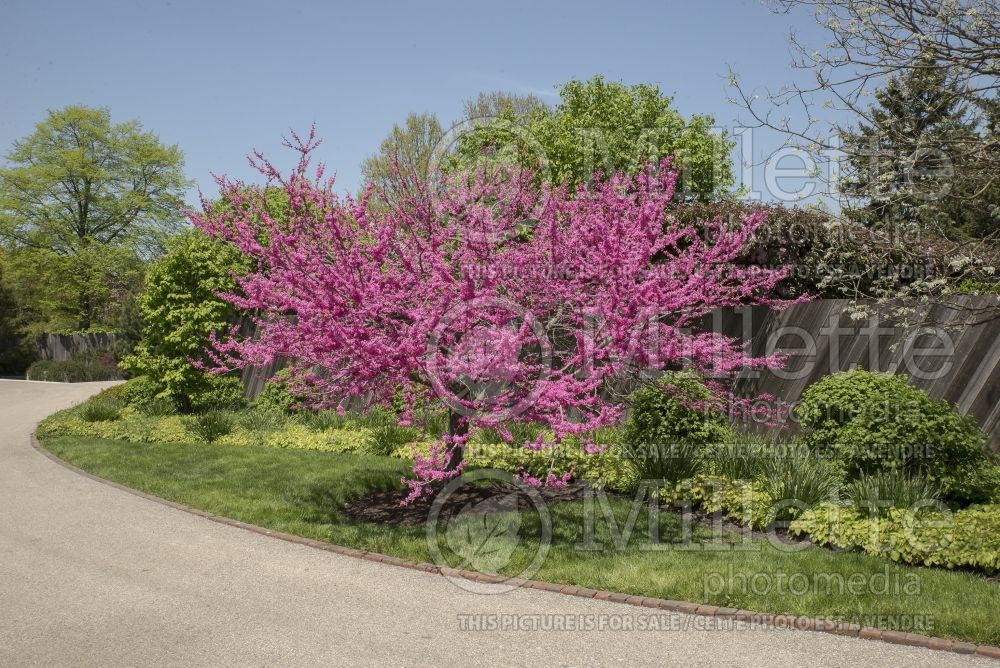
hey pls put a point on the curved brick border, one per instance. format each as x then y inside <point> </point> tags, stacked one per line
<point>753,618</point>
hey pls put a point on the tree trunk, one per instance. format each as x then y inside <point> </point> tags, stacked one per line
<point>85,312</point>
<point>457,426</point>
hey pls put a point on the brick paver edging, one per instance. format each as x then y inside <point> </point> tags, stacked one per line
<point>749,616</point>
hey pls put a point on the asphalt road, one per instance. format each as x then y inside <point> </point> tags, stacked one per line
<point>92,575</point>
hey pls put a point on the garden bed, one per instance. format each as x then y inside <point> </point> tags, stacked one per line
<point>339,479</point>
<point>305,493</point>
<point>388,508</point>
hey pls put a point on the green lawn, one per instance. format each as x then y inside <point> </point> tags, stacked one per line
<point>301,492</point>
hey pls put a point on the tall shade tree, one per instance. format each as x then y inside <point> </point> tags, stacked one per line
<point>14,356</point>
<point>405,153</point>
<point>80,186</point>
<point>605,126</point>
<point>512,303</point>
<point>498,103</point>
<point>63,293</point>
<point>885,45</point>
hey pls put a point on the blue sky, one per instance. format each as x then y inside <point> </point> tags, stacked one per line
<point>221,78</point>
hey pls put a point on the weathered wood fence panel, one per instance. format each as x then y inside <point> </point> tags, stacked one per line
<point>62,347</point>
<point>254,377</point>
<point>958,364</point>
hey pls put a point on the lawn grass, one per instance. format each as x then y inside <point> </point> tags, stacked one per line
<point>301,493</point>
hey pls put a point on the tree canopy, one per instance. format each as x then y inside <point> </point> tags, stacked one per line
<point>605,126</point>
<point>78,179</point>
<point>597,125</point>
<point>91,200</point>
<point>451,293</point>
<point>911,163</point>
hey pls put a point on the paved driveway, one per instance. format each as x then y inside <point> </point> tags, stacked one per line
<point>92,575</point>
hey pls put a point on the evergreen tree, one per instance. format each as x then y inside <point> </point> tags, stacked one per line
<point>916,161</point>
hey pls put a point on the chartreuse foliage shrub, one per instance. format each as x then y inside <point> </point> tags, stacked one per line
<point>869,422</point>
<point>130,425</point>
<point>378,431</point>
<point>746,502</point>
<point>180,307</point>
<point>133,412</point>
<point>330,440</point>
<point>671,423</point>
<point>967,538</point>
<point>138,392</point>
<point>598,459</point>
<point>275,397</point>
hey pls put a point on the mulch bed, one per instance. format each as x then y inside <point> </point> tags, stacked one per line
<point>386,508</point>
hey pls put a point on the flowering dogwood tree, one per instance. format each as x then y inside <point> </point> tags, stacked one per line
<point>511,302</point>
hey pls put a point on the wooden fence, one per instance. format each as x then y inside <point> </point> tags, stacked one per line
<point>957,363</point>
<point>62,347</point>
<point>960,365</point>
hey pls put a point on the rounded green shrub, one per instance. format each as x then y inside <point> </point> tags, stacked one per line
<point>140,391</point>
<point>221,393</point>
<point>670,424</point>
<point>869,422</point>
<point>276,397</point>
<point>180,308</point>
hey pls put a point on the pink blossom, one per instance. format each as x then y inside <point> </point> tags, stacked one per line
<point>513,303</point>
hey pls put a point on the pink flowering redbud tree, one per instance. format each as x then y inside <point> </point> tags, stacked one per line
<point>511,302</point>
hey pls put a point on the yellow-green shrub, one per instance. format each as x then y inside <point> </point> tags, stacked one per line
<point>298,436</point>
<point>745,502</point>
<point>967,538</point>
<point>607,469</point>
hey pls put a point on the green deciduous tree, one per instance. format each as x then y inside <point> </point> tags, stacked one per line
<point>936,66</point>
<point>601,125</point>
<point>58,293</point>
<point>495,103</point>
<point>412,146</point>
<point>14,353</point>
<point>93,194</point>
